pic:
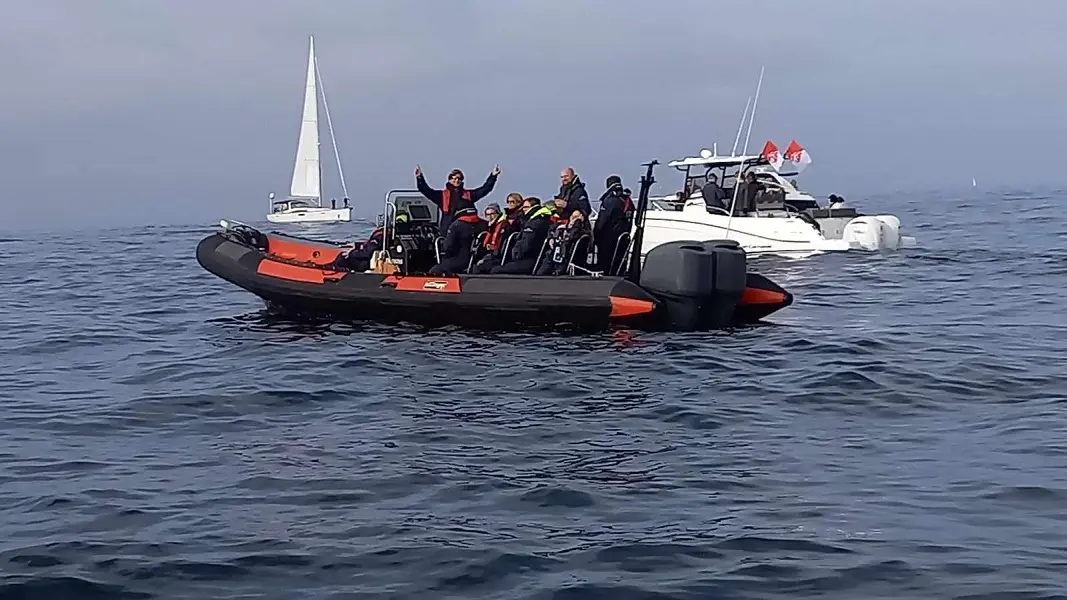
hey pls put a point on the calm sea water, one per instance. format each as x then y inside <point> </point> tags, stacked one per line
<point>900,432</point>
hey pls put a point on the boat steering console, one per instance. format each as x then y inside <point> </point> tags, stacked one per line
<point>416,240</point>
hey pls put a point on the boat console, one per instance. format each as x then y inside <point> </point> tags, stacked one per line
<point>418,208</point>
<point>413,244</point>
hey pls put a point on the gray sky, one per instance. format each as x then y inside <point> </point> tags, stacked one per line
<point>133,112</point>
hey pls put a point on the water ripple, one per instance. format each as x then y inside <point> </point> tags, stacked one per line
<point>897,433</point>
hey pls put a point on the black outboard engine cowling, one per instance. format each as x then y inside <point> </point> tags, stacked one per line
<point>699,283</point>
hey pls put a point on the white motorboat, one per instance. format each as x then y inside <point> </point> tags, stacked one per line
<point>787,221</point>
<point>304,203</point>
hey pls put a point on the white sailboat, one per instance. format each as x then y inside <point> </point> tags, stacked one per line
<point>304,203</point>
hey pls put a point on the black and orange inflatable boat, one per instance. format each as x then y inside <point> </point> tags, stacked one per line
<point>680,286</point>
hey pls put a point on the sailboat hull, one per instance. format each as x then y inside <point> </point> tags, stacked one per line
<point>311,215</point>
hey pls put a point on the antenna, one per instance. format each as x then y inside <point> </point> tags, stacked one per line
<point>740,127</point>
<point>752,117</point>
<point>740,168</point>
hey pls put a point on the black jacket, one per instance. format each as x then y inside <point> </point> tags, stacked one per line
<point>714,196</point>
<point>577,198</point>
<point>746,196</point>
<point>460,237</point>
<point>611,220</point>
<point>535,230</point>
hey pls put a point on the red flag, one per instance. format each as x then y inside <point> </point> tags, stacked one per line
<point>770,152</point>
<point>796,153</point>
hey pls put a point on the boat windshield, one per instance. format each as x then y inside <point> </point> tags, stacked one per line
<point>294,203</point>
<point>697,176</point>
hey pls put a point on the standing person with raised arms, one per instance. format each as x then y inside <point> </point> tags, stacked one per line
<point>454,198</point>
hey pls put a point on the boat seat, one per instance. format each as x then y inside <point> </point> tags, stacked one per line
<point>622,244</point>
<point>438,243</point>
<point>768,200</point>
<point>541,254</point>
<point>582,244</point>
<point>508,243</point>
<point>476,247</point>
<point>824,213</point>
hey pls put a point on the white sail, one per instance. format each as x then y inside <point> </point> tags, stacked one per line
<point>306,173</point>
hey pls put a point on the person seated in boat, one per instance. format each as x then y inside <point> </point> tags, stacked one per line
<point>572,191</point>
<point>454,197</point>
<point>505,224</point>
<point>562,245</point>
<point>513,210</point>
<point>557,219</point>
<point>497,228</point>
<point>558,206</point>
<point>557,224</point>
<point>358,257</point>
<point>615,217</point>
<point>527,247</point>
<point>746,195</point>
<point>456,249</point>
<point>496,222</point>
<point>714,196</point>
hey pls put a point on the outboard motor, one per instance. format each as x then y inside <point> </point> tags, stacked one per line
<point>699,283</point>
<point>873,233</point>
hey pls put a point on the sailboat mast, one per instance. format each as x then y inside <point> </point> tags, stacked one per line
<point>318,151</point>
<point>318,129</point>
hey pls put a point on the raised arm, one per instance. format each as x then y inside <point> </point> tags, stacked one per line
<point>490,182</point>
<point>431,194</point>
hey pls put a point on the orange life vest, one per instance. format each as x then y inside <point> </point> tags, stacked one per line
<point>446,199</point>
<point>496,230</point>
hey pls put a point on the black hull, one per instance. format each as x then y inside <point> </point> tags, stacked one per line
<point>474,300</point>
<point>483,301</point>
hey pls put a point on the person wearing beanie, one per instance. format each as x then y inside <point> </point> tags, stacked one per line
<point>614,219</point>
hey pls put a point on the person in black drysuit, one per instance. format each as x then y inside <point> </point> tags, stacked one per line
<point>454,197</point>
<point>714,196</point>
<point>456,253</point>
<point>536,225</point>
<point>746,194</point>
<point>572,191</point>
<point>614,218</point>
